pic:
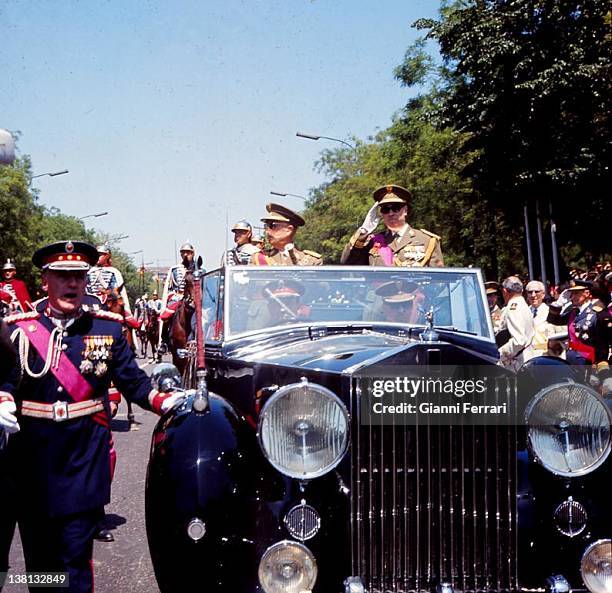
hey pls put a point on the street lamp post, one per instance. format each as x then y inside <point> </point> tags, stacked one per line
<point>284,195</point>
<point>315,137</point>
<point>93,215</point>
<point>55,174</point>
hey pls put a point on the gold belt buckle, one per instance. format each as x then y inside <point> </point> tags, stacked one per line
<point>60,411</point>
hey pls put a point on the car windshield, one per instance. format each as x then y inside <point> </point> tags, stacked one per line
<point>261,299</point>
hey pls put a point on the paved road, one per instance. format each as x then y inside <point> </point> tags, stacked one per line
<point>123,566</point>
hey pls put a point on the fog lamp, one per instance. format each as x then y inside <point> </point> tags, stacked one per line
<point>570,517</point>
<point>287,567</point>
<point>302,521</point>
<point>596,567</point>
<point>196,529</point>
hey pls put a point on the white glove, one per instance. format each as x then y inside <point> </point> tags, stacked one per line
<point>8,420</point>
<point>171,401</point>
<point>563,299</point>
<point>371,220</point>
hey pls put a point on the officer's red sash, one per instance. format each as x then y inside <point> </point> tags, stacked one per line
<point>574,341</point>
<point>66,373</point>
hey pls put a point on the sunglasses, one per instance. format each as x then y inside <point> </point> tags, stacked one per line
<point>275,225</point>
<point>390,208</point>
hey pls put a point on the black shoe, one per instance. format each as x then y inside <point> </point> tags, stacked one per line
<point>104,535</point>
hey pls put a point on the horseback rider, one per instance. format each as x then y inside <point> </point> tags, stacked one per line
<point>13,292</point>
<point>106,282</point>
<point>174,287</point>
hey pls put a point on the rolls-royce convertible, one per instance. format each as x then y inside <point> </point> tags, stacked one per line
<point>355,433</point>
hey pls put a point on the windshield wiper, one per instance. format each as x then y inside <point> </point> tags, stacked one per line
<point>451,328</point>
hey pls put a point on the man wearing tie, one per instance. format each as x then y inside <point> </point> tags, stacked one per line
<point>540,346</point>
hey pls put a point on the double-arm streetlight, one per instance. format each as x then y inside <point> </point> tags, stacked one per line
<point>284,195</point>
<point>315,137</point>
<point>93,215</point>
<point>55,174</point>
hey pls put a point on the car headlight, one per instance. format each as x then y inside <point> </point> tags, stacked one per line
<point>596,567</point>
<point>303,430</point>
<point>569,429</point>
<point>287,567</point>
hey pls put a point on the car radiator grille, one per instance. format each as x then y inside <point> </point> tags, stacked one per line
<point>434,504</point>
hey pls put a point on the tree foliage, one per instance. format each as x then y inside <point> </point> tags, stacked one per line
<point>26,225</point>
<point>516,111</point>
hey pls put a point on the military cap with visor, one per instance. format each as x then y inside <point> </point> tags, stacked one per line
<point>392,194</point>
<point>66,256</point>
<point>284,288</point>
<point>492,287</point>
<point>397,292</point>
<point>278,213</point>
<point>580,285</point>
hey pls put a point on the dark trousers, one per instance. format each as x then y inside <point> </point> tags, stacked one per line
<point>61,544</point>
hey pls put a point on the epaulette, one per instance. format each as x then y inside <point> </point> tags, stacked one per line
<point>430,234</point>
<point>109,315</point>
<point>312,253</point>
<point>15,317</point>
<point>597,308</point>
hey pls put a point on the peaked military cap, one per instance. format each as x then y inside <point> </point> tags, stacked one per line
<point>242,225</point>
<point>389,194</point>
<point>491,287</point>
<point>397,291</point>
<point>66,255</point>
<point>284,288</point>
<point>9,265</point>
<point>580,285</point>
<point>282,214</point>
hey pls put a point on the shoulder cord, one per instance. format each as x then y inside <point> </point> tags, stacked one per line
<point>54,351</point>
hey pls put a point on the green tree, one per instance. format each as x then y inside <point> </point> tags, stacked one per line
<point>529,82</point>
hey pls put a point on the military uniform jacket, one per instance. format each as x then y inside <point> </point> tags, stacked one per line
<point>517,324</point>
<point>174,285</point>
<point>294,257</point>
<point>415,248</point>
<point>590,326</point>
<point>20,297</point>
<point>64,467</point>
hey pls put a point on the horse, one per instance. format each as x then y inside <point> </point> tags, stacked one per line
<point>180,324</point>
<point>151,332</point>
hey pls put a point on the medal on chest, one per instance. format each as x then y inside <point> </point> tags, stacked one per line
<point>96,355</point>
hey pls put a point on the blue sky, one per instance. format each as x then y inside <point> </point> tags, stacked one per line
<point>175,116</point>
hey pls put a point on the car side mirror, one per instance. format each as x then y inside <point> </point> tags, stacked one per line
<point>166,378</point>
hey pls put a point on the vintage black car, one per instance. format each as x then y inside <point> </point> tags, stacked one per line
<point>294,474</point>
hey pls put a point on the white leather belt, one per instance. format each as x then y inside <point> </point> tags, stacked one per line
<point>60,411</point>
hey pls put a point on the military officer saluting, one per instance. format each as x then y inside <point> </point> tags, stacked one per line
<point>55,404</point>
<point>399,244</point>
<point>587,326</point>
<point>281,226</point>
